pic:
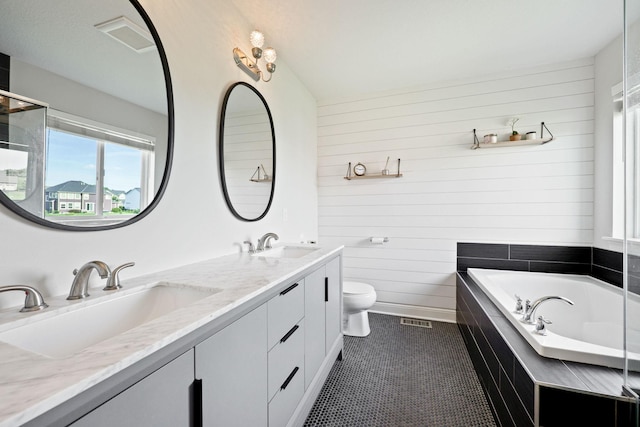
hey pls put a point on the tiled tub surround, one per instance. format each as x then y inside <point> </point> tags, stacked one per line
<point>526,389</point>
<point>599,263</point>
<point>32,385</point>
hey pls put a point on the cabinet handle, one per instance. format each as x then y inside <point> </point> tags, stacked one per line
<point>197,403</point>
<point>288,334</point>
<point>326,289</point>
<point>289,378</point>
<point>289,289</point>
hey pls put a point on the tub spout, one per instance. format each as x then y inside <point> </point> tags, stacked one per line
<point>530,313</point>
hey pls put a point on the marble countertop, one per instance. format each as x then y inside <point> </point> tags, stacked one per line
<point>31,384</point>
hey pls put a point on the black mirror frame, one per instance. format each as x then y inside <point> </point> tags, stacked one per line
<point>9,204</point>
<point>223,181</point>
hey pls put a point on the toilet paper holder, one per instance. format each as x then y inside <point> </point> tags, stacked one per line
<point>378,240</point>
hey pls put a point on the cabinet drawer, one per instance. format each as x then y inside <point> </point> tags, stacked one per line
<point>285,356</point>
<point>284,311</point>
<point>286,400</point>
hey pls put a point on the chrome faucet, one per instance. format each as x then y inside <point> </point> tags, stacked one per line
<point>113,282</point>
<point>80,285</point>
<point>530,313</point>
<point>541,325</point>
<point>33,300</point>
<point>265,242</point>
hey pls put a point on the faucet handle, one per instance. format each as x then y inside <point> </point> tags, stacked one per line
<point>33,300</point>
<point>518,304</point>
<point>113,282</point>
<point>251,248</point>
<point>541,327</point>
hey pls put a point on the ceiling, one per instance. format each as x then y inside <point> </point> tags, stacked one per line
<point>337,48</point>
<point>346,48</point>
<point>59,36</point>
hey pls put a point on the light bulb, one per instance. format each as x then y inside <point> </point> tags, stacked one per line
<point>269,55</point>
<point>257,38</point>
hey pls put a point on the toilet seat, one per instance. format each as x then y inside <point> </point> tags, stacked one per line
<point>356,288</point>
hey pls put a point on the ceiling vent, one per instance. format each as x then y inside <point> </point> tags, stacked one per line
<point>129,34</point>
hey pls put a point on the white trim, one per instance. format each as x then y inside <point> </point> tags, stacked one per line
<point>437,314</point>
<point>62,121</point>
<point>616,90</point>
<point>23,98</point>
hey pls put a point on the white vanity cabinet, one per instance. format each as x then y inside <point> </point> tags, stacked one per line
<point>323,292</point>
<point>260,370</point>
<point>232,368</point>
<point>262,363</point>
<point>161,399</point>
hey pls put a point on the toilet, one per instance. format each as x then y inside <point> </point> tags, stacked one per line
<point>357,298</point>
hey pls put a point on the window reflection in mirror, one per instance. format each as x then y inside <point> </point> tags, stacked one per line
<point>74,192</point>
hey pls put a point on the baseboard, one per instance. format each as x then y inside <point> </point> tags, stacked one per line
<point>437,314</point>
<point>313,391</point>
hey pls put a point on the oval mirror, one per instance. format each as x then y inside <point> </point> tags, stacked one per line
<point>247,152</point>
<point>86,113</point>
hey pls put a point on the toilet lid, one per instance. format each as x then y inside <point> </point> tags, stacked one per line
<point>356,288</point>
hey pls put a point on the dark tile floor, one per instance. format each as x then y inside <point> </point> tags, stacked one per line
<point>402,376</point>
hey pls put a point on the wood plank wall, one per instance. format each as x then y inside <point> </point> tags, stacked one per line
<point>534,194</point>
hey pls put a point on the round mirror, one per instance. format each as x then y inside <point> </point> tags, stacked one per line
<point>247,152</point>
<point>86,113</point>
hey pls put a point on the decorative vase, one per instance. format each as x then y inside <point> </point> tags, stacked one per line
<point>515,137</point>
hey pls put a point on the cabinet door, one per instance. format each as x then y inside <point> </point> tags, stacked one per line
<point>333,308</point>
<point>314,318</point>
<point>232,365</point>
<point>160,399</point>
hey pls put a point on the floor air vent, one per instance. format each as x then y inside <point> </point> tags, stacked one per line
<point>415,322</point>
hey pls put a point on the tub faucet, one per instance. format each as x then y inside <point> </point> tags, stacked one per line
<point>530,313</point>
<point>80,285</point>
<point>265,243</point>
<point>33,300</point>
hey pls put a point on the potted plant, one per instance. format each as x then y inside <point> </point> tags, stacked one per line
<point>515,136</point>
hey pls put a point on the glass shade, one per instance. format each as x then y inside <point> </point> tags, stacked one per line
<point>257,38</point>
<point>269,55</point>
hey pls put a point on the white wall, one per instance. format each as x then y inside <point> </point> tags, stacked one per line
<point>449,193</point>
<point>199,37</point>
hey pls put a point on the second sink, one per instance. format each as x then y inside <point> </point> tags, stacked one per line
<point>69,332</point>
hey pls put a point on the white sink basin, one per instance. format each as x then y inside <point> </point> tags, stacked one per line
<point>286,252</point>
<point>69,332</point>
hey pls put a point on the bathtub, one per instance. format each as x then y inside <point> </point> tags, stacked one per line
<point>590,331</point>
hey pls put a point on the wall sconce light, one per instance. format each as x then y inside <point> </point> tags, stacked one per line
<point>249,66</point>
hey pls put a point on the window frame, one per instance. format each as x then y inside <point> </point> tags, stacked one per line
<point>103,134</point>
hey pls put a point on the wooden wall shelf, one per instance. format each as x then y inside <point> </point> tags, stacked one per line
<point>373,176</point>
<point>349,176</point>
<point>538,141</point>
